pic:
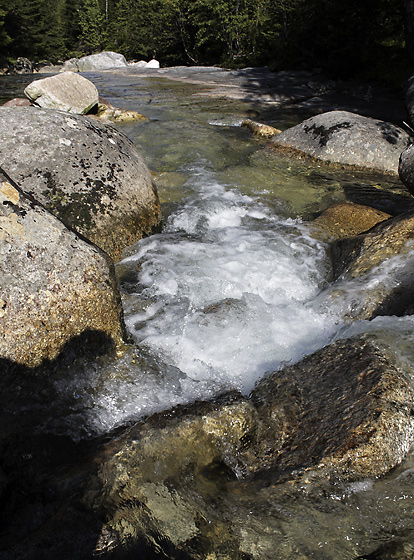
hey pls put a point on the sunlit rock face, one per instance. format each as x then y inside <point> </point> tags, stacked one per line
<point>101,61</point>
<point>346,138</point>
<point>64,92</point>
<point>346,219</point>
<point>54,285</point>
<point>202,480</point>
<point>373,271</point>
<point>87,174</point>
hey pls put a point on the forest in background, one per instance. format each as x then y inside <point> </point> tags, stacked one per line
<point>346,38</point>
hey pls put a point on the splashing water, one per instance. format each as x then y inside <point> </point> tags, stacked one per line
<point>220,297</point>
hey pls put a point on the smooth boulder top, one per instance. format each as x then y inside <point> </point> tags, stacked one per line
<point>55,285</point>
<point>65,92</point>
<point>101,61</point>
<point>346,138</point>
<point>87,174</point>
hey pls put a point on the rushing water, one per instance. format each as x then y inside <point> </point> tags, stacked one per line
<point>231,287</point>
<point>234,286</point>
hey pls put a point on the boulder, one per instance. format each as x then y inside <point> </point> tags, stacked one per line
<point>101,61</point>
<point>23,66</point>
<point>139,64</point>
<point>346,138</point>
<point>406,168</point>
<point>356,256</point>
<point>70,65</point>
<point>344,410</point>
<point>49,69</point>
<point>346,219</point>
<point>68,92</point>
<point>109,113</point>
<point>212,477</point>
<point>17,102</point>
<point>373,272</point>
<point>259,129</point>
<point>55,286</point>
<point>153,64</point>
<point>87,174</point>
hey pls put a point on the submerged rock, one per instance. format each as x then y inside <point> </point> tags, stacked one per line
<point>55,285</point>
<point>64,92</point>
<point>259,129</point>
<point>87,174</point>
<point>204,481</point>
<point>346,138</point>
<point>346,219</point>
<point>108,113</point>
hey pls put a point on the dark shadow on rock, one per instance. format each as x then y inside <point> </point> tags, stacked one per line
<point>400,548</point>
<point>42,474</point>
<point>394,201</point>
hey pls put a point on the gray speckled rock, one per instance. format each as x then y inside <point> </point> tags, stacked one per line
<point>54,285</point>
<point>87,174</point>
<point>101,61</point>
<point>67,91</point>
<point>346,138</point>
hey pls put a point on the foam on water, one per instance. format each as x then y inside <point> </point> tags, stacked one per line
<point>229,291</point>
<point>223,295</point>
<point>227,288</point>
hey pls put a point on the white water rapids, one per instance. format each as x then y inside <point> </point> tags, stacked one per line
<point>228,291</point>
<point>229,286</point>
<point>233,287</point>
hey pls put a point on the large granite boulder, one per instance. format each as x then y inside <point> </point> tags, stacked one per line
<point>101,61</point>
<point>346,138</point>
<point>211,477</point>
<point>87,174</point>
<point>64,92</point>
<point>55,286</point>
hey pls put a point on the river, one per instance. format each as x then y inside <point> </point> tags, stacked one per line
<point>231,288</point>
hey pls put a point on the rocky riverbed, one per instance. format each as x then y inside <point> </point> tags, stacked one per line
<point>263,389</point>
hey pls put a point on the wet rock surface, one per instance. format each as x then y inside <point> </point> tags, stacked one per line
<point>198,482</point>
<point>346,138</point>
<point>346,219</point>
<point>373,271</point>
<point>357,256</point>
<point>87,174</point>
<point>55,285</point>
